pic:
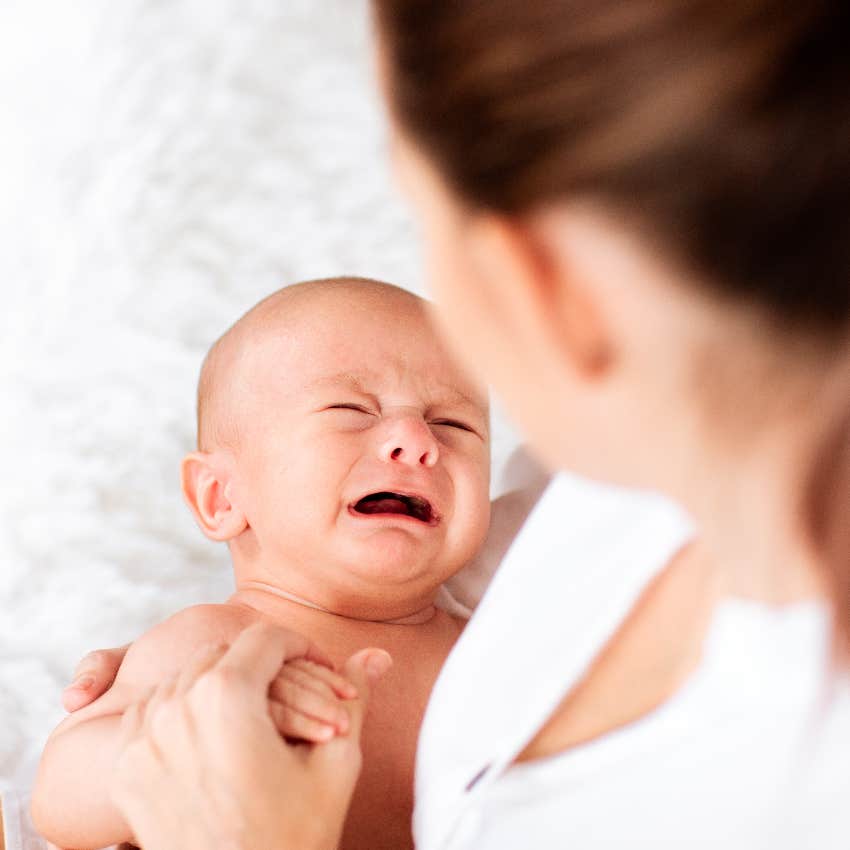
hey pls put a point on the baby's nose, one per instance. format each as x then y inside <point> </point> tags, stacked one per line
<point>408,440</point>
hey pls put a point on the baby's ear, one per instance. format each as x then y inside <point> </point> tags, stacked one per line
<point>205,478</point>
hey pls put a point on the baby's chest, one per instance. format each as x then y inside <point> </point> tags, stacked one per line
<point>396,711</point>
<point>382,809</point>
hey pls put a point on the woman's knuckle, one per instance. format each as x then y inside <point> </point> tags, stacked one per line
<point>212,649</point>
<point>217,680</point>
<point>214,686</point>
<point>229,675</point>
<point>203,690</point>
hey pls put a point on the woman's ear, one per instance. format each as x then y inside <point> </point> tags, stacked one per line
<point>524,262</point>
<point>206,488</point>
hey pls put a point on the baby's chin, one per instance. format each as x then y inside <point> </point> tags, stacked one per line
<point>395,559</point>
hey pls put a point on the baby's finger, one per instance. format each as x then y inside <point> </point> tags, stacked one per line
<point>288,677</point>
<point>293,724</point>
<point>287,690</point>
<point>93,676</point>
<point>336,681</point>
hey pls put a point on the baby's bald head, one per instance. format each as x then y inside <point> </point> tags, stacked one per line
<point>321,398</point>
<point>311,307</point>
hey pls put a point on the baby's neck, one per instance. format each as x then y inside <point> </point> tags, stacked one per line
<point>417,617</point>
<point>396,599</point>
<point>337,633</point>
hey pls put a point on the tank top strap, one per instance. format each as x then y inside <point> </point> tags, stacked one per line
<point>570,578</point>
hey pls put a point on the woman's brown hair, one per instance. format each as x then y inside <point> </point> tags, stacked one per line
<point>720,128</point>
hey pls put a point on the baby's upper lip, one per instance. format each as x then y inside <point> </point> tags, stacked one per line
<point>421,501</point>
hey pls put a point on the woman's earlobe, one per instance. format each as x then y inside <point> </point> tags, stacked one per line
<point>205,483</point>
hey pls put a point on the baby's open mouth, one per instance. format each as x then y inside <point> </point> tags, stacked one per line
<point>385,502</point>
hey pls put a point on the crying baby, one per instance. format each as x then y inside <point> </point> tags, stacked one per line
<point>343,456</point>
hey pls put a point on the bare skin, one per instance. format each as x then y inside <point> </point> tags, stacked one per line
<point>346,498</point>
<point>382,806</point>
<point>380,815</point>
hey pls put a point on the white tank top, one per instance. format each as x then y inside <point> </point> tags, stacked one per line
<point>746,755</point>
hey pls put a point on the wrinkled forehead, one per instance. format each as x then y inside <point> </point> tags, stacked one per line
<point>400,376</point>
<point>367,348</point>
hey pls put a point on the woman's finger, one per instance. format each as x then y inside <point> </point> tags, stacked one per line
<point>339,761</point>
<point>287,690</point>
<point>137,746</point>
<point>144,794</point>
<point>205,658</point>
<point>337,682</point>
<point>218,739</point>
<point>93,676</point>
<point>161,695</point>
<point>255,658</point>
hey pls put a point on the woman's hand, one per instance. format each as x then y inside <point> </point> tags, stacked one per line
<point>304,696</point>
<point>204,765</point>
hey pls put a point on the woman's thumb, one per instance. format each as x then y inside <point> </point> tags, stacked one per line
<point>369,663</point>
<point>363,670</point>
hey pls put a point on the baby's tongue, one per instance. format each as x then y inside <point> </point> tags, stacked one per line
<point>387,505</point>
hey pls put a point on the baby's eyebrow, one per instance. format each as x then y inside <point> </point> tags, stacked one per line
<point>455,400</point>
<point>450,396</point>
<point>343,379</point>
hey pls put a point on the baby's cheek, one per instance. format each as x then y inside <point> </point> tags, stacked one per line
<point>473,516</point>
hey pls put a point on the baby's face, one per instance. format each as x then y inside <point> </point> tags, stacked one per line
<point>363,460</point>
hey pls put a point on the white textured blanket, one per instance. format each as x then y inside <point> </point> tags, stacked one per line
<point>163,165</point>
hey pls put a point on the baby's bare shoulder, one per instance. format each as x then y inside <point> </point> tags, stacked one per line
<point>163,651</point>
<point>170,644</point>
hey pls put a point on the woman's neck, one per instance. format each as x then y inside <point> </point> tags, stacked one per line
<point>751,521</point>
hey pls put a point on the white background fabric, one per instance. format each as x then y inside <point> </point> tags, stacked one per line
<point>163,165</point>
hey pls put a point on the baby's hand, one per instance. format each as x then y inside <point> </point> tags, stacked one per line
<point>304,701</point>
<point>93,677</point>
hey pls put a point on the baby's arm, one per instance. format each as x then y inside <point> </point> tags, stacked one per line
<point>71,803</point>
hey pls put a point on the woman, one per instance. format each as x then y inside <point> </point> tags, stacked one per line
<point>636,228</point>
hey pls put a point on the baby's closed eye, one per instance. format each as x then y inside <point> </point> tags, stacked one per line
<point>453,423</point>
<point>350,405</point>
<point>350,415</point>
